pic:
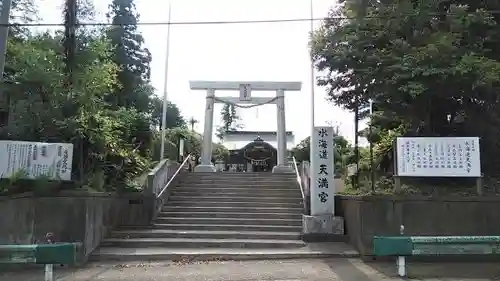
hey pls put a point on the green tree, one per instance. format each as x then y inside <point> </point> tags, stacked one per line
<point>129,54</point>
<point>174,117</point>
<point>57,94</point>
<point>429,75</point>
<point>229,118</point>
<point>192,122</point>
<point>343,152</point>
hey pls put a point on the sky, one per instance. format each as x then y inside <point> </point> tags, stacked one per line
<point>233,52</point>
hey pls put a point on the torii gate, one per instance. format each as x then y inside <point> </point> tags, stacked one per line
<point>245,88</point>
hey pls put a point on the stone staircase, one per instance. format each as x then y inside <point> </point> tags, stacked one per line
<point>222,216</point>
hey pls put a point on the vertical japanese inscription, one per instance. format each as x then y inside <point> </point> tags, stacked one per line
<point>323,168</point>
<point>322,171</point>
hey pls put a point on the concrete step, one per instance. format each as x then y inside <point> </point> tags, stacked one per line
<point>254,193</point>
<point>223,215</point>
<point>231,189</point>
<point>201,243</point>
<point>234,179</point>
<point>263,198</point>
<point>242,184</point>
<point>182,209</point>
<point>230,221</point>
<point>240,174</point>
<point>204,234</point>
<point>237,179</point>
<point>224,227</point>
<point>234,204</point>
<point>319,250</point>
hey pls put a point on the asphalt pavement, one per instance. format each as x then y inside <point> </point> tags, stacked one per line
<point>340,269</point>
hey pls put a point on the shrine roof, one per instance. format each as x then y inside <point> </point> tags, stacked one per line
<point>260,133</point>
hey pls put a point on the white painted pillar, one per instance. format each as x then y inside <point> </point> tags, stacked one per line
<point>281,132</point>
<point>206,150</point>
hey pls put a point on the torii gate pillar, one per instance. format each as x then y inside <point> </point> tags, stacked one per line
<point>245,97</point>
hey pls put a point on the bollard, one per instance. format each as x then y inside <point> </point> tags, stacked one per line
<point>49,272</point>
<point>401,261</point>
<point>49,268</point>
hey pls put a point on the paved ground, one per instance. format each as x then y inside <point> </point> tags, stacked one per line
<point>287,270</point>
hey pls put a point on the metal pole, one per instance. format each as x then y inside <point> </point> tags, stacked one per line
<point>311,156</point>
<point>356,140</point>
<point>313,80</point>
<point>165,86</point>
<point>372,169</point>
<point>401,261</point>
<point>4,34</point>
<point>361,15</point>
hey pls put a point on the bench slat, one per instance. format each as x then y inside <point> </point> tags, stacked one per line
<point>435,245</point>
<point>61,253</point>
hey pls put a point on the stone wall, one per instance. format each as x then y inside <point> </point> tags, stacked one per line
<point>87,217</point>
<point>367,216</point>
<point>72,217</point>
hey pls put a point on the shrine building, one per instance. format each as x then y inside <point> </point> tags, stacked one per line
<point>253,151</point>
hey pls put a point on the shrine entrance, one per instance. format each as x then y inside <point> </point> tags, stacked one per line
<point>256,156</point>
<point>245,89</point>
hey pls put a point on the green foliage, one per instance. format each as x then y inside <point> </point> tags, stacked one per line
<point>83,86</point>
<point>174,117</point>
<point>229,119</point>
<point>192,122</point>
<point>192,145</point>
<point>132,58</point>
<point>220,152</point>
<point>428,75</point>
<point>344,152</point>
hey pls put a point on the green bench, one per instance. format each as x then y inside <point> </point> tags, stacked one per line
<point>405,246</point>
<point>47,254</point>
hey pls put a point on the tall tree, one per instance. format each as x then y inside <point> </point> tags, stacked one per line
<point>134,59</point>
<point>429,65</point>
<point>192,122</point>
<point>229,118</point>
<point>343,152</point>
<point>174,117</point>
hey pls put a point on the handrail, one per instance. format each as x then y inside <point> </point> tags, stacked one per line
<point>174,175</point>
<point>299,180</point>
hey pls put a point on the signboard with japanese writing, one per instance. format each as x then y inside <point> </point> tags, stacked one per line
<point>36,159</point>
<point>322,172</point>
<point>438,157</point>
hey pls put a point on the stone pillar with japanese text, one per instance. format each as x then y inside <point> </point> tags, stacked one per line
<point>322,172</point>
<point>322,221</point>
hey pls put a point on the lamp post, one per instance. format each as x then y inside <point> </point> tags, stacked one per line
<point>311,156</point>
<point>165,87</point>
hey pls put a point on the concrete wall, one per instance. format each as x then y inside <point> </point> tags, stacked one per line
<point>366,216</point>
<point>71,216</point>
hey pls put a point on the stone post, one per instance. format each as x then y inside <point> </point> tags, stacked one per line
<point>206,165</point>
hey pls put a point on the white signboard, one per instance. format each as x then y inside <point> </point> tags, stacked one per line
<point>352,170</point>
<point>36,159</point>
<point>322,172</point>
<point>438,157</point>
